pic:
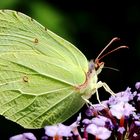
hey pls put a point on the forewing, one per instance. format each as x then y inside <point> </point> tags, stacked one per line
<point>19,32</point>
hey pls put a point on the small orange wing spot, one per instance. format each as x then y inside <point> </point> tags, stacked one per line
<point>36,41</point>
<point>25,79</point>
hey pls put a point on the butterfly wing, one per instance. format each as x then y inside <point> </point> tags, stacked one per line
<point>38,73</point>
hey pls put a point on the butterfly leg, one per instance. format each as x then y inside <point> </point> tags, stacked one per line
<point>97,86</point>
<point>106,87</point>
<point>97,96</point>
<point>87,102</point>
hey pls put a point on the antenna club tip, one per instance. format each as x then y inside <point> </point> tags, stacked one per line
<point>116,39</point>
<point>124,47</point>
<point>127,47</point>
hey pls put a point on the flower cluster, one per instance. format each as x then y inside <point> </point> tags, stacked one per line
<point>115,119</point>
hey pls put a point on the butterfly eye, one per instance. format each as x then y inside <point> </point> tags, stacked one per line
<point>91,66</point>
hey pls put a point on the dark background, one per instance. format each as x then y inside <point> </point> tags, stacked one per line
<point>89,25</point>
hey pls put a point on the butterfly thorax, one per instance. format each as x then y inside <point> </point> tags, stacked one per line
<point>89,86</point>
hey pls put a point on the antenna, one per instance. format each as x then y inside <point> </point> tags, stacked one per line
<point>111,68</point>
<point>108,45</point>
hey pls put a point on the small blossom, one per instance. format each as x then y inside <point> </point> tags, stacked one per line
<point>121,130</point>
<point>64,130</point>
<point>24,136</point>
<point>90,111</point>
<point>137,123</point>
<point>136,116</point>
<point>17,137</point>
<point>51,130</point>
<point>122,109</point>
<point>135,135</point>
<point>135,93</point>
<point>44,138</point>
<point>76,123</point>
<point>100,120</point>
<point>99,132</point>
<point>138,95</point>
<point>137,85</point>
<point>86,121</point>
<point>102,106</point>
<point>60,130</point>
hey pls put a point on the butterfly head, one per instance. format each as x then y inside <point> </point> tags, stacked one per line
<point>95,66</point>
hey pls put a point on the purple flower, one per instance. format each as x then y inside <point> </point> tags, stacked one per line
<point>76,123</point>
<point>86,121</point>
<point>124,96</point>
<point>122,109</point>
<point>99,132</point>
<point>136,116</point>
<point>60,130</point>
<point>100,107</point>
<point>24,136</point>
<point>137,123</point>
<point>135,135</point>
<point>138,99</point>
<point>101,120</point>
<point>51,130</point>
<point>64,130</point>
<point>92,110</point>
<point>121,130</point>
<point>137,85</point>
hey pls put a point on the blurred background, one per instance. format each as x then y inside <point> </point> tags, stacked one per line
<point>90,25</point>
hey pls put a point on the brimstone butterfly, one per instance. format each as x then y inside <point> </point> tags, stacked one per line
<point>44,79</point>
